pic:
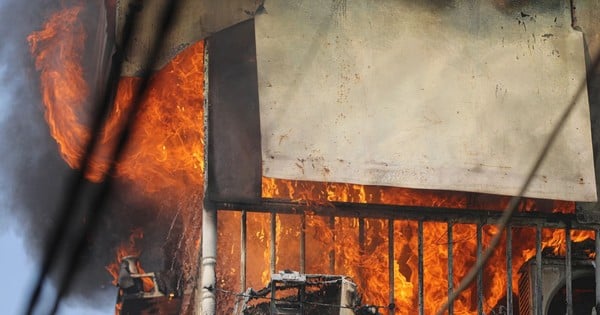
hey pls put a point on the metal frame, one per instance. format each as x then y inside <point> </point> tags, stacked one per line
<point>479,218</point>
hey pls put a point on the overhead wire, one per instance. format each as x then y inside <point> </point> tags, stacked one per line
<point>75,189</point>
<point>75,186</point>
<point>166,21</point>
<point>515,200</point>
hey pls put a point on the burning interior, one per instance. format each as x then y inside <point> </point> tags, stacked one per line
<point>355,248</point>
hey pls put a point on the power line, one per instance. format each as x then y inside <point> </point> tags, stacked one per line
<point>76,184</point>
<point>75,191</point>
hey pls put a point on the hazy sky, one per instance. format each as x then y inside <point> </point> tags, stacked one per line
<point>19,271</point>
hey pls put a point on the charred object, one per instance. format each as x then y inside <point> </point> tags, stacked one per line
<point>143,293</point>
<point>290,292</point>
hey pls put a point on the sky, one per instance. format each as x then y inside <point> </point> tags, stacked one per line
<point>19,272</point>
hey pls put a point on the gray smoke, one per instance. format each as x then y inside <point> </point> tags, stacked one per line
<point>33,176</point>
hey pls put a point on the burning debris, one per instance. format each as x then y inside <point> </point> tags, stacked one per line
<point>147,293</point>
<point>161,176</point>
<point>167,158</point>
<point>290,292</point>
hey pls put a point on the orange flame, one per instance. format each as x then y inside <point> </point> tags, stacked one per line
<point>167,144</point>
<point>365,258</point>
<point>129,249</point>
<point>166,153</point>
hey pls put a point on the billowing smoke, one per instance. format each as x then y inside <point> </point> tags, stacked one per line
<point>33,176</point>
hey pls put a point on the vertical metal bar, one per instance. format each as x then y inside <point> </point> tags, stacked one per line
<point>420,268</point>
<point>597,274</point>
<point>391,265</point>
<point>361,245</point>
<point>303,244</point>
<point>332,251</point>
<point>244,232</point>
<point>273,252</point>
<point>569,272</point>
<point>479,274</point>
<point>539,299</point>
<point>450,267</point>
<point>509,275</point>
<point>361,235</point>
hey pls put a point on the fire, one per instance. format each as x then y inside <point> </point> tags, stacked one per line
<point>129,249</point>
<point>164,158</point>
<point>166,154</point>
<point>58,49</point>
<point>167,143</point>
<point>361,245</point>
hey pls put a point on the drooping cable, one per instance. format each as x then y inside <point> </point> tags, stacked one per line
<point>515,200</point>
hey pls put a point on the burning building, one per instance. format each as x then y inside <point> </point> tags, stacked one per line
<point>377,142</point>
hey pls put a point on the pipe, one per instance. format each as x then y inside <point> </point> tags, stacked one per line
<point>208,298</point>
<point>243,249</point>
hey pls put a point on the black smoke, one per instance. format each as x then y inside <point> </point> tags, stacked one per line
<point>34,178</point>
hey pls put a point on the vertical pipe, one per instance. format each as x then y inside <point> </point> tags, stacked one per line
<point>332,251</point>
<point>421,270</point>
<point>480,273</point>
<point>450,267</point>
<point>303,244</point>
<point>208,298</point>
<point>391,265</point>
<point>273,252</point>
<point>539,299</point>
<point>205,298</point>
<point>569,272</point>
<point>597,275</point>
<point>244,232</point>
<point>509,280</point>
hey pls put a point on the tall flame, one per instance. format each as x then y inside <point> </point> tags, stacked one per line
<point>166,153</point>
<point>166,146</point>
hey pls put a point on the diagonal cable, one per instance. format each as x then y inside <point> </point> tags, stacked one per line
<point>99,200</point>
<point>73,193</point>
<point>101,196</point>
<point>514,201</point>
